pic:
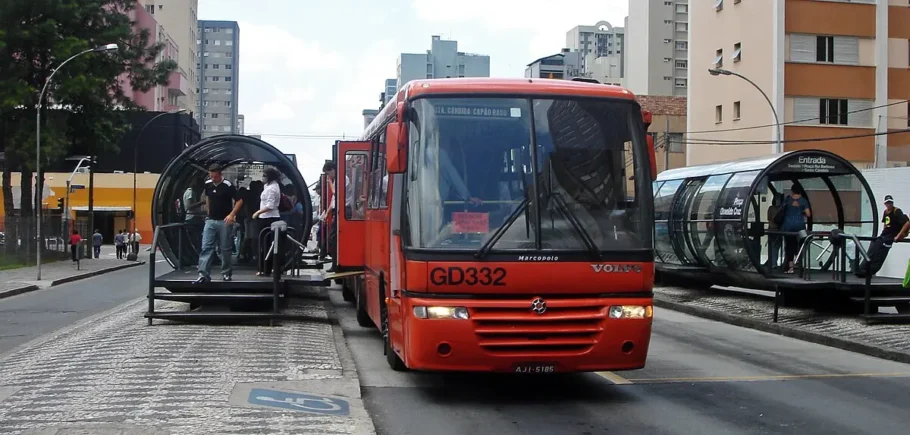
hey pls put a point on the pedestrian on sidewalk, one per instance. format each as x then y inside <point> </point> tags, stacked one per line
<point>97,240</point>
<point>135,238</point>
<point>75,240</point>
<point>223,202</point>
<point>120,243</point>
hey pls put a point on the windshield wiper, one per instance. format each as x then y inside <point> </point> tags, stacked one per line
<point>485,249</point>
<point>573,219</point>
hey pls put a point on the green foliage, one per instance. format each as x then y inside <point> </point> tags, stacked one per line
<point>37,36</point>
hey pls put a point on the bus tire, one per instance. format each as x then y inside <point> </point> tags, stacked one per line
<point>346,293</point>
<point>363,316</point>
<point>395,363</point>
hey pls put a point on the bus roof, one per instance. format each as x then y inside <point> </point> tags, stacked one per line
<point>513,86</point>
<point>486,85</point>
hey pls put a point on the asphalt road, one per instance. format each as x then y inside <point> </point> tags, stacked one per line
<point>702,377</point>
<point>31,315</point>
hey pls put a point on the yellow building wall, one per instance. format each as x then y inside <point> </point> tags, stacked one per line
<point>110,190</point>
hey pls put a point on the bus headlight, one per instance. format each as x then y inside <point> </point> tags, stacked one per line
<point>631,312</point>
<point>441,313</point>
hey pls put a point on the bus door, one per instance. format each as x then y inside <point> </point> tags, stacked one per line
<point>351,161</point>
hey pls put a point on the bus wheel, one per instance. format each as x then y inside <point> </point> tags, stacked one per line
<point>395,363</point>
<point>346,291</point>
<point>363,316</point>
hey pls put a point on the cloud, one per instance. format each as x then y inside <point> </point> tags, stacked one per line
<point>265,48</point>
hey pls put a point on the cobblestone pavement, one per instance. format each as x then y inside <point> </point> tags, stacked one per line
<point>114,374</point>
<point>15,280</point>
<point>840,330</point>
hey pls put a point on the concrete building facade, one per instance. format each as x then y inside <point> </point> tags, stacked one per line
<point>178,17</point>
<point>564,65</point>
<point>831,69</point>
<point>442,60</point>
<point>657,58</point>
<point>158,98</point>
<point>217,70</point>
<point>603,51</point>
<point>668,128</point>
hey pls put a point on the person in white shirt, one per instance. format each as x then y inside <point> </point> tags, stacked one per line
<point>266,215</point>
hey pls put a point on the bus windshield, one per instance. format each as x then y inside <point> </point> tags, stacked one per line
<point>524,174</point>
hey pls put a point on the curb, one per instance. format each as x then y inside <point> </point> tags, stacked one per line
<point>31,288</point>
<point>785,330</point>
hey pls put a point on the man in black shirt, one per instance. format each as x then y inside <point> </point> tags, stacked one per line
<point>895,227</point>
<point>222,201</point>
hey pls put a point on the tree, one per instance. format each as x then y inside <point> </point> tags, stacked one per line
<point>37,36</point>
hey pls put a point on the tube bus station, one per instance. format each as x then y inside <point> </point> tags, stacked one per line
<point>716,224</point>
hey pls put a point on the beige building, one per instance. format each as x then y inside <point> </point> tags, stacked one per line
<point>668,125</point>
<point>179,18</point>
<point>834,65</point>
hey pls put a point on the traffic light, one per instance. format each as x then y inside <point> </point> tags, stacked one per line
<point>61,204</point>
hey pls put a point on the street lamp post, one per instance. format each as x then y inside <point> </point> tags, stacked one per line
<point>136,161</point>
<point>720,71</point>
<point>69,181</point>
<point>38,183</point>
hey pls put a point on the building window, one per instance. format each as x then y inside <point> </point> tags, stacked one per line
<point>682,64</point>
<point>668,78</point>
<point>682,8</point>
<point>215,79</point>
<point>719,114</point>
<point>668,3</point>
<point>216,66</point>
<point>217,42</point>
<point>206,66</point>
<point>737,52</point>
<point>229,54</point>
<point>667,41</point>
<point>205,90</point>
<point>229,42</point>
<point>668,21</point>
<point>682,27</point>
<point>736,109</point>
<point>719,58</point>
<point>228,66</point>
<point>227,104</point>
<point>214,116</point>
<point>229,30</point>
<point>832,111</point>
<point>667,59</point>
<point>718,5</point>
<point>681,45</point>
<point>680,83</point>
<point>227,79</point>
<point>824,49</point>
<point>205,54</point>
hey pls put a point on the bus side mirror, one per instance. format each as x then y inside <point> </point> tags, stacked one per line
<point>396,148</point>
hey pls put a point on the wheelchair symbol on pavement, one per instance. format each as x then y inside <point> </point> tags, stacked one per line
<point>299,402</point>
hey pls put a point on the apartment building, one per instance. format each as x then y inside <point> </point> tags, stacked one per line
<point>163,98</point>
<point>217,70</point>
<point>442,60</point>
<point>657,47</point>
<point>830,69</point>
<point>603,51</point>
<point>178,17</point>
<point>668,127</point>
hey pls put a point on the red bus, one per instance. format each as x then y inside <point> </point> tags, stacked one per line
<point>502,225</point>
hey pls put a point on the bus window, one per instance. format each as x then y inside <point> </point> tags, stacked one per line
<point>355,198</point>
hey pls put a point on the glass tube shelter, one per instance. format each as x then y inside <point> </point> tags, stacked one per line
<point>714,218</point>
<point>179,196</point>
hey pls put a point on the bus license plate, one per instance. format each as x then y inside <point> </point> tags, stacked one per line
<point>535,368</point>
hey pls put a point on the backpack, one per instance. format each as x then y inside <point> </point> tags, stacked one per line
<point>284,204</point>
<point>780,215</point>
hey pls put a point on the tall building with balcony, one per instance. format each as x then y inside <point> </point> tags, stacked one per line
<point>217,70</point>
<point>161,98</point>
<point>603,51</point>
<point>830,68</point>
<point>179,18</point>
<point>657,58</point>
<point>442,60</point>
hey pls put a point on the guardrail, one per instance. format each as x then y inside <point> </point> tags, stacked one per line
<point>152,262</point>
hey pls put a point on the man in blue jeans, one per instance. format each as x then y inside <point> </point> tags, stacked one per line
<point>222,201</point>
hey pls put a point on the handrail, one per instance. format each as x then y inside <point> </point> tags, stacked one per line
<point>152,262</point>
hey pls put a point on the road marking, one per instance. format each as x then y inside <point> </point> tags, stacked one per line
<point>299,402</point>
<point>614,378</point>
<point>768,377</point>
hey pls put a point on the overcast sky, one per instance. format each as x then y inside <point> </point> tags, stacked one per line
<point>310,67</point>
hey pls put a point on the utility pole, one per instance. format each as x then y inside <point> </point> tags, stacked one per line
<point>91,201</point>
<point>667,143</point>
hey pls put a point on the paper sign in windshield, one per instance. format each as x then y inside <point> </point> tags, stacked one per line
<point>468,222</point>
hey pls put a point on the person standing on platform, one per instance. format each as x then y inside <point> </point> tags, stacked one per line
<point>267,214</point>
<point>222,202</point>
<point>796,213</point>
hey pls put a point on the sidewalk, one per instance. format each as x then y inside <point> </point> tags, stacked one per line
<point>22,280</point>
<point>112,374</point>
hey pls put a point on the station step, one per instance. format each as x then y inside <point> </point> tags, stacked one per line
<point>887,318</point>
<point>218,285</point>
<point>229,315</point>
<point>882,300</point>
<point>193,297</point>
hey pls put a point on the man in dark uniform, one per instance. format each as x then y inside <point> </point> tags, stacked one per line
<point>222,201</point>
<point>895,227</point>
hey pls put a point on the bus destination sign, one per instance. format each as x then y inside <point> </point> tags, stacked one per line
<point>477,111</point>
